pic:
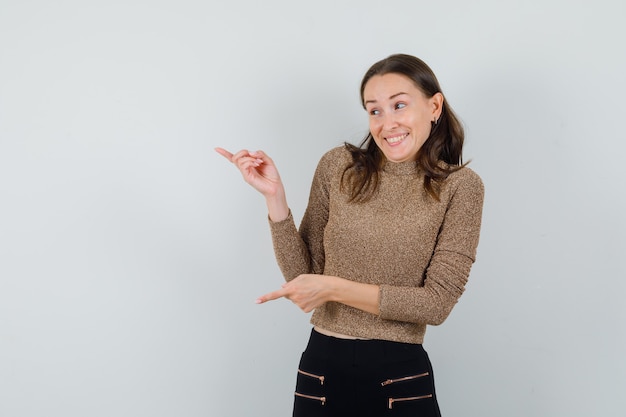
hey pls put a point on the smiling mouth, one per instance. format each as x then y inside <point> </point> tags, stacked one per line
<point>396,139</point>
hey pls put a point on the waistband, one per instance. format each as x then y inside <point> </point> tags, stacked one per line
<point>363,349</point>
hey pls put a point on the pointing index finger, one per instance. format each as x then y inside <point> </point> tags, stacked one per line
<point>274,295</point>
<point>225,153</point>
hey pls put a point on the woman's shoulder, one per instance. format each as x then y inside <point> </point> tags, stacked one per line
<point>466,178</point>
<point>465,174</point>
<point>337,157</point>
<point>338,153</point>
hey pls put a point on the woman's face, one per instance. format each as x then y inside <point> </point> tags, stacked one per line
<point>400,115</point>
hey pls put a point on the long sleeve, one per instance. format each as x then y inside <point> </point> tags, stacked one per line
<point>302,251</point>
<point>449,267</point>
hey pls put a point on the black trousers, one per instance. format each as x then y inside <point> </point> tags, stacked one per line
<point>364,378</point>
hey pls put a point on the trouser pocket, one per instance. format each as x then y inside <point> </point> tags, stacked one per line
<point>310,390</point>
<point>321,400</point>
<point>409,394</point>
<point>320,378</point>
<point>404,379</point>
<point>393,401</point>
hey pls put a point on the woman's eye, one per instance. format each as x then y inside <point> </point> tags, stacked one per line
<point>374,112</point>
<point>400,106</point>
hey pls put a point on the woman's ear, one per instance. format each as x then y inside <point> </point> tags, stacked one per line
<point>437,106</point>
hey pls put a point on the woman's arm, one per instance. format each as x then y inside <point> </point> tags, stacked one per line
<point>450,264</point>
<point>309,291</point>
<point>297,251</point>
<point>301,251</point>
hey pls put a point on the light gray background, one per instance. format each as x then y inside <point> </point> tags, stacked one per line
<point>131,253</point>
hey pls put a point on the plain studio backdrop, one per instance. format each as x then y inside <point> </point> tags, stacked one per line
<point>131,253</point>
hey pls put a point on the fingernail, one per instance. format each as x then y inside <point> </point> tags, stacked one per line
<point>258,301</point>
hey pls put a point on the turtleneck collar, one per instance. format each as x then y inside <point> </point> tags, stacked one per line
<point>400,168</point>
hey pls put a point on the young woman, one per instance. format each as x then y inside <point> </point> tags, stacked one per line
<point>384,248</point>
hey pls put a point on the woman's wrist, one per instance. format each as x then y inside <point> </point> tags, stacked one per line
<point>355,294</point>
<point>277,207</point>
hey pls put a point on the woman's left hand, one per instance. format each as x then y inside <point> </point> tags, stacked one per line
<point>307,291</point>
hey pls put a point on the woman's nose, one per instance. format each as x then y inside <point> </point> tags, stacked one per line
<point>389,121</point>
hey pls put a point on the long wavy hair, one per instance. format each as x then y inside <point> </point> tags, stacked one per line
<point>444,144</point>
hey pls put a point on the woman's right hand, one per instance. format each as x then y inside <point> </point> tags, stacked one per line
<point>261,173</point>
<point>257,169</point>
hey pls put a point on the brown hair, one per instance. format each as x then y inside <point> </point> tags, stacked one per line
<point>444,144</point>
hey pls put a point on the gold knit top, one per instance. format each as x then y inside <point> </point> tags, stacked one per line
<point>419,251</point>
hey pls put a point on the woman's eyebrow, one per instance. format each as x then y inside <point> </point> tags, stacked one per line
<point>390,97</point>
<point>397,94</point>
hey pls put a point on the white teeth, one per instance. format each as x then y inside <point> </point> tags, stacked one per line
<point>397,138</point>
